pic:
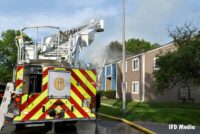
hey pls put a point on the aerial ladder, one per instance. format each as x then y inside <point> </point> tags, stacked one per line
<point>62,48</point>
<point>5,103</point>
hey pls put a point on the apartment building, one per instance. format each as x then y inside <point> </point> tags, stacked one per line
<point>140,85</point>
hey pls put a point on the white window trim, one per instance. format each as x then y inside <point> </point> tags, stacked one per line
<point>154,63</point>
<point>110,70</point>
<point>135,59</point>
<point>138,87</point>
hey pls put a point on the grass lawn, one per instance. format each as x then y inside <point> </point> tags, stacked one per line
<point>155,112</point>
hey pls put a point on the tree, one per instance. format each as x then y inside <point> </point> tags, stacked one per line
<point>8,54</point>
<point>133,46</point>
<point>115,46</point>
<point>181,66</point>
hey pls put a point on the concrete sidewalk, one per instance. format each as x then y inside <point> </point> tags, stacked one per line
<point>161,128</point>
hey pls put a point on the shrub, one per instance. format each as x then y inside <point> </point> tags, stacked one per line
<point>102,92</point>
<point>110,94</point>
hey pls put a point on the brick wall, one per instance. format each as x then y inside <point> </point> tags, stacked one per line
<point>131,76</point>
<point>150,92</point>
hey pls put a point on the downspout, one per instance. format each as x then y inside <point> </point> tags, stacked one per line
<point>116,89</point>
<point>105,78</point>
<point>143,77</point>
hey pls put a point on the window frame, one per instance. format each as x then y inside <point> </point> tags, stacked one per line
<point>135,82</point>
<point>135,59</point>
<point>154,63</point>
<point>110,70</point>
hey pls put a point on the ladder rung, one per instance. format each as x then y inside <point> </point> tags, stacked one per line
<point>5,103</point>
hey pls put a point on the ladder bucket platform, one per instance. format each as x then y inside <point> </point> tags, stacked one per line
<point>5,103</point>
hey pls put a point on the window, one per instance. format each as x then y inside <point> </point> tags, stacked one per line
<point>108,70</point>
<point>35,80</point>
<point>135,64</point>
<point>135,87</point>
<point>155,64</point>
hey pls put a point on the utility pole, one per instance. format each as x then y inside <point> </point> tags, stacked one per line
<point>123,60</point>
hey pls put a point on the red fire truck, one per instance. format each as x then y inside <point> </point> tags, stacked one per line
<point>51,84</point>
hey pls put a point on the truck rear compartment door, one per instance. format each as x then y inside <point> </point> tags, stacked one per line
<point>59,84</point>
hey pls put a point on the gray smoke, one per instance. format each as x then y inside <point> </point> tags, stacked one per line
<point>104,53</point>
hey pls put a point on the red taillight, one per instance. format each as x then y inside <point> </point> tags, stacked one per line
<point>17,105</point>
<point>17,99</point>
<point>93,102</point>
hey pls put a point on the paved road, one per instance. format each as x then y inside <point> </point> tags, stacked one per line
<point>83,127</point>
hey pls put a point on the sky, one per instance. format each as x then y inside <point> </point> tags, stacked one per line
<point>145,19</point>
